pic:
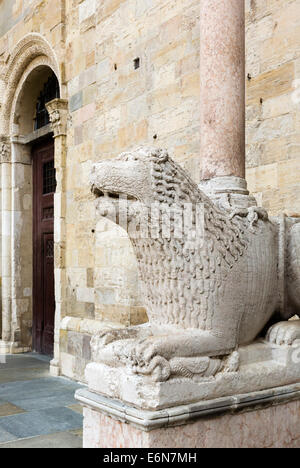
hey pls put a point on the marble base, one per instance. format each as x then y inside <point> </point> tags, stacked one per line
<point>185,414</point>
<point>256,406</point>
<point>262,366</point>
<point>271,427</point>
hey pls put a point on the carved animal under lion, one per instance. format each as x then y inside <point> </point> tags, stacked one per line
<point>206,293</point>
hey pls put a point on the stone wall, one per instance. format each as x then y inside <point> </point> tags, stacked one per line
<point>273,104</point>
<point>130,71</point>
<point>10,14</point>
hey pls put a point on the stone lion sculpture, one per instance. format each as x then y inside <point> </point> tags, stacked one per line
<point>206,292</point>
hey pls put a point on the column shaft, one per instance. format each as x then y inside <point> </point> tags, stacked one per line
<point>58,112</point>
<point>222,100</point>
<point>5,148</point>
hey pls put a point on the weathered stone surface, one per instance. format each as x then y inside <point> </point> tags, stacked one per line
<point>262,366</point>
<point>194,319</point>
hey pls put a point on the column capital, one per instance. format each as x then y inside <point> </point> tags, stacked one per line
<point>5,149</point>
<point>58,113</point>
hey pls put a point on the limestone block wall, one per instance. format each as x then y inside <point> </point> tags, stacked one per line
<point>132,72</point>
<point>20,17</point>
<point>273,103</point>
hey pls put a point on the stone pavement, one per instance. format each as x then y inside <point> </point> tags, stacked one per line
<point>37,410</point>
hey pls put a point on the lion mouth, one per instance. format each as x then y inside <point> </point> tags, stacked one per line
<point>115,206</point>
<point>111,195</point>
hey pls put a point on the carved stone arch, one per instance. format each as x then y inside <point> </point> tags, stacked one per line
<point>38,62</point>
<point>28,49</point>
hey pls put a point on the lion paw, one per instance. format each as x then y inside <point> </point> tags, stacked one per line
<point>146,359</point>
<point>106,337</point>
<point>284,333</point>
<point>253,214</point>
<point>144,351</point>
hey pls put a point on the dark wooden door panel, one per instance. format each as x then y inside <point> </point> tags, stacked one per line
<point>49,302</point>
<point>43,247</point>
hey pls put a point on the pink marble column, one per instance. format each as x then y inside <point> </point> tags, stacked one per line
<point>222,101</point>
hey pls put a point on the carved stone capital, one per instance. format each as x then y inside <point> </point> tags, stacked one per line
<point>228,192</point>
<point>5,149</point>
<point>58,113</point>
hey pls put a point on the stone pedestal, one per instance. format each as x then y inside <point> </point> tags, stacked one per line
<point>270,427</point>
<point>257,406</point>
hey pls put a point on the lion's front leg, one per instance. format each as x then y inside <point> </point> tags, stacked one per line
<point>284,333</point>
<point>184,344</point>
<point>187,354</point>
<point>105,340</point>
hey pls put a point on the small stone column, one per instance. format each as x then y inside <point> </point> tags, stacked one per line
<point>5,153</point>
<point>58,112</point>
<point>16,252</point>
<point>21,244</point>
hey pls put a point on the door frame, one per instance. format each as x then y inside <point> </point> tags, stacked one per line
<point>37,266</point>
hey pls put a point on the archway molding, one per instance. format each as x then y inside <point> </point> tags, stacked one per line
<point>28,49</point>
<point>37,63</point>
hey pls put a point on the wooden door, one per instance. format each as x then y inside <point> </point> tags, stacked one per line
<point>44,185</point>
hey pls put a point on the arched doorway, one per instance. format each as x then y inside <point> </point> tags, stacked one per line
<point>43,188</point>
<point>32,122</point>
<point>28,212</point>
